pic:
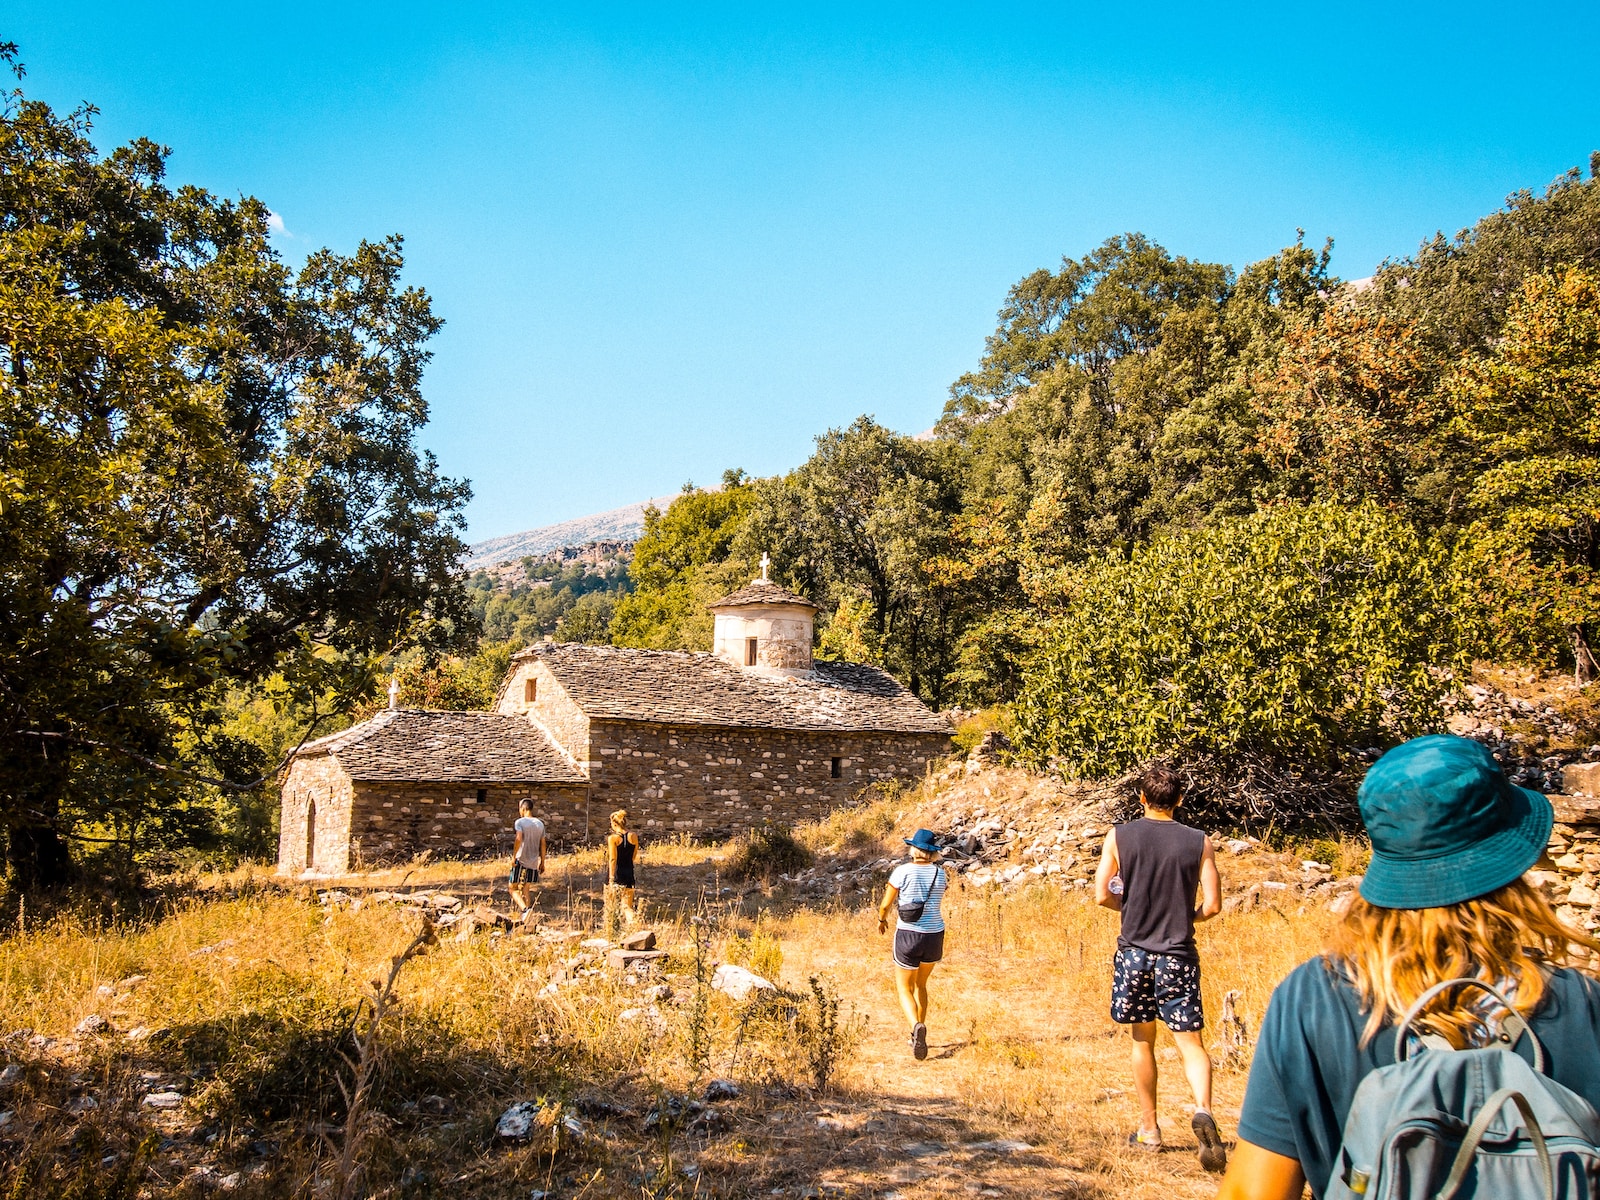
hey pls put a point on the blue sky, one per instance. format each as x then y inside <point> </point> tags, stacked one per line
<point>670,241</point>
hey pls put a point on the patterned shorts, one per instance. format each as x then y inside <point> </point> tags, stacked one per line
<point>1145,986</point>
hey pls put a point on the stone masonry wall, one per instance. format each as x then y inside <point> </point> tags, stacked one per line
<point>712,782</point>
<point>1574,885</point>
<point>553,709</point>
<point>323,781</point>
<point>392,821</point>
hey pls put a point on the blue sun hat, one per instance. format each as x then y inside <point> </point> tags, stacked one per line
<point>923,840</point>
<point>1446,825</point>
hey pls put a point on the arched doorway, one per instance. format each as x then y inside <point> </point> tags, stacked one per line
<point>311,832</point>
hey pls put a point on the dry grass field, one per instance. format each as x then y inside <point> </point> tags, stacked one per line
<point>218,1065</point>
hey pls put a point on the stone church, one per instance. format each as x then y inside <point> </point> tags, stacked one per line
<point>703,744</point>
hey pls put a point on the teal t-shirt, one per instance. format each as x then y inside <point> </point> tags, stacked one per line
<point>1309,1060</point>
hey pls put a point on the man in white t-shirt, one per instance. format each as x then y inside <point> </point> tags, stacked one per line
<point>527,858</point>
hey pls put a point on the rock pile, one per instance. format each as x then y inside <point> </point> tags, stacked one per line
<point>1005,828</point>
<point>1518,732</point>
<point>1573,881</point>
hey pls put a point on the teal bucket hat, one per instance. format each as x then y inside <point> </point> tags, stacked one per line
<point>1446,825</point>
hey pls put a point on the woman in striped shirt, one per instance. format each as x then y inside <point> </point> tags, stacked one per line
<point>915,889</point>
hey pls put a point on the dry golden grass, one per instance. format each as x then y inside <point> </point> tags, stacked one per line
<point>251,988</point>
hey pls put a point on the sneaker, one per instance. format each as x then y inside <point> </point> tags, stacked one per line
<point>1143,1141</point>
<point>919,1041</point>
<point>1213,1154</point>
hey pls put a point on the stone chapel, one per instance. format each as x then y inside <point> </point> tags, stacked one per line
<point>688,742</point>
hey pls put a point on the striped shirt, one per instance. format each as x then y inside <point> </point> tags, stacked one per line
<point>912,880</point>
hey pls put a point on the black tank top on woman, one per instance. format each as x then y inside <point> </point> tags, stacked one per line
<point>1160,868</point>
<point>623,875</point>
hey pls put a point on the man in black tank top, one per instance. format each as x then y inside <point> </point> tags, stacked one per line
<point>1150,870</point>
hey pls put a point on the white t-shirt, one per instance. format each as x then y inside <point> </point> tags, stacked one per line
<point>532,831</point>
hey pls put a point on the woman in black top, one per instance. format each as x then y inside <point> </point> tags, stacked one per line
<point>622,851</point>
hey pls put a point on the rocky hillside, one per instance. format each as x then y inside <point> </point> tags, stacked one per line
<point>618,525</point>
<point>594,557</point>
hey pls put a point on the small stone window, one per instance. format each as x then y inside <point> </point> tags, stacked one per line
<point>530,690</point>
<point>836,768</point>
<point>750,652</point>
<point>483,794</point>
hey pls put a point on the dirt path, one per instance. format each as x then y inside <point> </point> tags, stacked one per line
<point>1026,1090</point>
<point>966,1121</point>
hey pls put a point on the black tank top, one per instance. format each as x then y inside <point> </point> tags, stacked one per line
<point>1160,862</point>
<point>624,872</point>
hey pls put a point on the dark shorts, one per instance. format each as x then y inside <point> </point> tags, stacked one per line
<point>522,874</point>
<point>912,949</point>
<point>1145,986</point>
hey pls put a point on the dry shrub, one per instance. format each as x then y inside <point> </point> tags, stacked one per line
<point>860,829</point>
<point>767,852</point>
<point>760,951</point>
<point>971,729</point>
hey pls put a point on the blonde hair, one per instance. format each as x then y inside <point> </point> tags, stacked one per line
<point>1393,955</point>
<point>619,819</point>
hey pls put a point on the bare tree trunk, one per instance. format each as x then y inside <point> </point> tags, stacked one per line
<point>1585,668</point>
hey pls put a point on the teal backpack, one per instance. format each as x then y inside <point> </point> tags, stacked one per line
<point>1445,1124</point>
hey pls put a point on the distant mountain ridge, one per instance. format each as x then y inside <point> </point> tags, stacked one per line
<point>618,525</point>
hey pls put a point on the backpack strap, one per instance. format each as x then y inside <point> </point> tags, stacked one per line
<point>1515,1025</point>
<point>1480,1126</point>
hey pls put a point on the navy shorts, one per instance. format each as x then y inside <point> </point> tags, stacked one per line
<point>1145,986</point>
<point>522,874</point>
<point>912,949</point>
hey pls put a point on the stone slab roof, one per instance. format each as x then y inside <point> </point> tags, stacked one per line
<point>678,687</point>
<point>420,745</point>
<point>762,591</point>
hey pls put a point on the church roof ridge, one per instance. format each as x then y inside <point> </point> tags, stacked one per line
<point>688,687</point>
<point>445,746</point>
<point>763,591</point>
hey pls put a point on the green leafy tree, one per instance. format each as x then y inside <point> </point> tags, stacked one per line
<point>1090,315</point>
<point>1457,292</point>
<point>208,476</point>
<point>1529,410</point>
<point>1140,415</point>
<point>458,683</point>
<point>1291,632</point>
<point>540,605</point>
<point>862,518</point>
<point>684,560</point>
<point>589,620</point>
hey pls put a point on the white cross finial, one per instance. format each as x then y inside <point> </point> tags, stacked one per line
<point>766,561</point>
<point>394,693</point>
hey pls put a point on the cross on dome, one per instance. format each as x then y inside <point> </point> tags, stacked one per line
<point>394,692</point>
<point>766,561</point>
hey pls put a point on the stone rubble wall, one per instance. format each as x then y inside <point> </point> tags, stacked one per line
<point>1514,730</point>
<point>553,710</point>
<point>711,782</point>
<point>393,821</point>
<point>1575,848</point>
<point>322,780</point>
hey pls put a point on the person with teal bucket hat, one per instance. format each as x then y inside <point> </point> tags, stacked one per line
<point>1443,899</point>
